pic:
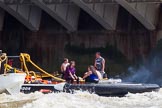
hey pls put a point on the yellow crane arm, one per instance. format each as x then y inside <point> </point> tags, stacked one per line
<point>23,63</point>
<point>22,59</point>
<point>26,57</point>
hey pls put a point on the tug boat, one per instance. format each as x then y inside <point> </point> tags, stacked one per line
<point>44,82</point>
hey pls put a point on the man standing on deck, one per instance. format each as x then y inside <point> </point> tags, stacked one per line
<point>100,63</point>
<point>64,66</point>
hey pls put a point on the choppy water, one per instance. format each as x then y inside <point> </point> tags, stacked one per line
<point>81,100</point>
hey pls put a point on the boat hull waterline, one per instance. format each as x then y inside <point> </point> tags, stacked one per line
<point>114,89</point>
<point>119,89</point>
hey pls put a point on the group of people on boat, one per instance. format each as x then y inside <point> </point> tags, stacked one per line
<point>94,73</point>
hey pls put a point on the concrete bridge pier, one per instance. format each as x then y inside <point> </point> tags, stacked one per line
<point>28,15</point>
<point>104,14</point>
<point>67,15</point>
<point>145,13</point>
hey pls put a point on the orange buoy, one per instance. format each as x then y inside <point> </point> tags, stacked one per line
<point>45,91</point>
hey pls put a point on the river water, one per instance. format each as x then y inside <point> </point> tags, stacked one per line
<point>81,100</point>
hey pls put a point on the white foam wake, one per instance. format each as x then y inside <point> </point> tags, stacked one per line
<point>86,100</point>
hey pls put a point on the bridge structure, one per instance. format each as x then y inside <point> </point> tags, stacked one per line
<point>66,12</point>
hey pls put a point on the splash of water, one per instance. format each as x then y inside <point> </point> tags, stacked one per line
<point>86,100</point>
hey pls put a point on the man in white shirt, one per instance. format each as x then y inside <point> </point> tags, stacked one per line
<point>63,66</point>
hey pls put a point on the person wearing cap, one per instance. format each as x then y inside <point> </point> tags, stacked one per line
<point>100,63</point>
